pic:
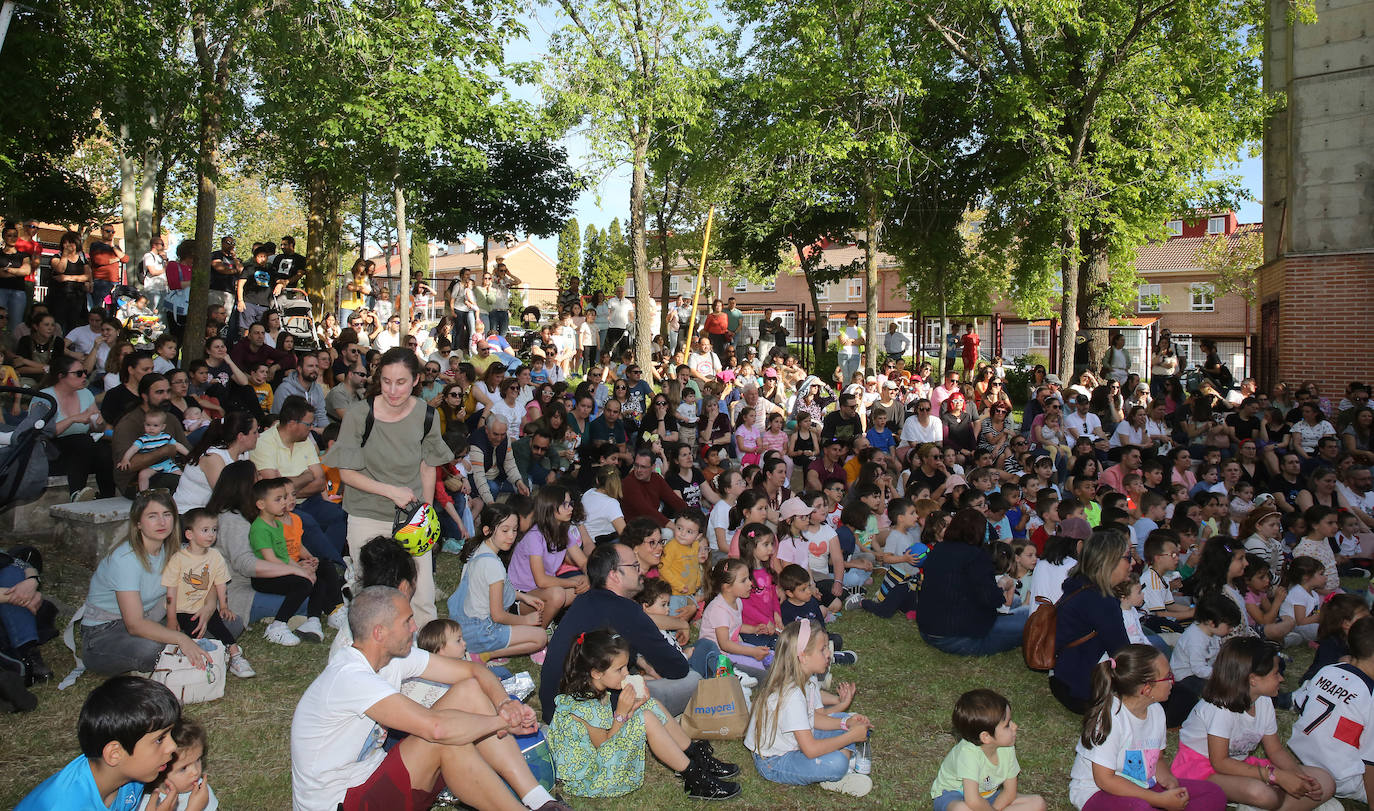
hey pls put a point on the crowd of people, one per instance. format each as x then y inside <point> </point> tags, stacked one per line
<point>633,531</point>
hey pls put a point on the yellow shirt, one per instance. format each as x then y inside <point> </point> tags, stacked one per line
<point>680,567</point>
<point>193,577</point>
<point>272,454</point>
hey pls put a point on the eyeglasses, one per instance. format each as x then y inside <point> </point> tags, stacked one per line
<point>634,566</point>
<point>79,372</point>
<point>1169,677</point>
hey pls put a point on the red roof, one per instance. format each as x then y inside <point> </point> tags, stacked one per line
<point>1180,253</point>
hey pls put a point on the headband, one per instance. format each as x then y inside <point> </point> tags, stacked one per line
<point>803,636</point>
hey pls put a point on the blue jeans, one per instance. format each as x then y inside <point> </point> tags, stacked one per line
<point>703,660</point>
<point>100,290</point>
<point>14,302</point>
<point>326,528</point>
<point>498,321</point>
<point>796,769</point>
<point>856,577</point>
<point>20,624</point>
<point>1004,635</point>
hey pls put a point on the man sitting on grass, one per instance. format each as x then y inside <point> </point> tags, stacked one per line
<point>341,721</point>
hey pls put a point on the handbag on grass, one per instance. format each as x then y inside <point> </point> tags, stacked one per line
<point>190,684</point>
<point>717,710</point>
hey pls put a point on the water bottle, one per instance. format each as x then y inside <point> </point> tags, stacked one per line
<point>863,764</point>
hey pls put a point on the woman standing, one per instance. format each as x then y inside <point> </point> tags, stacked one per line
<point>123,623</point>
<point>67,282</point>
<point>15,267</point>
<point>77,414</point>
<point>394,466</point>
<point>1116,364</point>
<point>1163,366</point>
<point>226,441</point>
<point>464,312</point>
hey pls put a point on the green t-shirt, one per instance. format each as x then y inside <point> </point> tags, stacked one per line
<point>966,761</point>
<point>262,535</point>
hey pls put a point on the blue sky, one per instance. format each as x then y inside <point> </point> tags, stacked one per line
<point>608,195</point>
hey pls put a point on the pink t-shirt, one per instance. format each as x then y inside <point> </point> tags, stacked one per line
<point>762,603</point>
<point>719,614</point>
<point>792,549</point>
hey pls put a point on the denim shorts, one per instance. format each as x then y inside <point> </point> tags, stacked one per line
<point>947,799</point>
<point>485,635</point>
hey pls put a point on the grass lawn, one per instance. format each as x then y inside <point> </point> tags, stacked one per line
<point>907,687</point>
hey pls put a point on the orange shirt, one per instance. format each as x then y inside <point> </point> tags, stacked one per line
<point>293,530</point>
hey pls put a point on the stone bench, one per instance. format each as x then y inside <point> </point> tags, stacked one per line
<point>88,530</point>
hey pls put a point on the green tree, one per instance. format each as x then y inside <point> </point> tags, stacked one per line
<point>1235,261</point>
<point>569,262</point>
<point>617,253</point>
<point>598,263</point>
<point>623,68</point>
<point>419,254</point>
<point>834,77</point>
<point>1117,112</point>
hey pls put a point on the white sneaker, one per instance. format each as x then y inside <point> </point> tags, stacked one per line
<point>854,600</point>
<point>239,667</point>
<point>338,618</point>
<point>746,681</point>
<point>280,633</point>
<point>84,494</point>
<point>853,784</point>
<point>311,630</point>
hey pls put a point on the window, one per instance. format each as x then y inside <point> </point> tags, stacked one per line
<point>1039,337</point>
<point>742,286</point>
<point>673,286</point>
<point>1203,298</point>
<point>854,289</point>
<point>823,293</point>
<point>770,285</point>
<point>1216,225</point>
<point>1148,298</point>
<point>1175,228</point>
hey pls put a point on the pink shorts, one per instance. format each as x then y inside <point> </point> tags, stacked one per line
<point>1190,765</point>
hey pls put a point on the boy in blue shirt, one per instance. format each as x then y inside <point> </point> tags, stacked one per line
<point>799,602</point>
<point>125,732</point>
<point>878,434</point>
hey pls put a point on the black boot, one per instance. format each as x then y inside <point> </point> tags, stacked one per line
<point>700,785</point>
<point>38,670</point>
<point>13,696</point>
<point>701,752</point>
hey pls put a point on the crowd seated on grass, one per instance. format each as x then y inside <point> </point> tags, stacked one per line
<point>725,486</point>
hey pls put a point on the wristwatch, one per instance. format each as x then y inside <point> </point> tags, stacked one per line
<point>624,719</point>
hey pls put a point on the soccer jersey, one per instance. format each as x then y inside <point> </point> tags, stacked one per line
<point>1155,591</point>
<point>1336,728</point>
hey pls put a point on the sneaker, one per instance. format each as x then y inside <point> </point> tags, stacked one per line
<point>279,633</point>
<point>239,667</point>
<point>555,805</point>
<point>310,630</point>
<point>746,681</point>
<point>452,546</point>
<point>701,753</point>
<point>845,657</point>
<point>338,618</point>
<point>854,600</point>
<point>853,784</point>
<point>84,494</point>
<point>700,785</point>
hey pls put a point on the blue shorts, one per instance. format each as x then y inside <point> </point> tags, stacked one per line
<point>485,635</point>
<point>944,801</point>
<point>677,601</point>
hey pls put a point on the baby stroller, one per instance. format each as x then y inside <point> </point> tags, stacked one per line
<point>298,318</point>
<point>25,449</point>
<point>143,324</point>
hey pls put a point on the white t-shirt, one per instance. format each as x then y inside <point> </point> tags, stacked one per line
<point>818,551</point>
<point>602,510</point>
<point>718,519</point>
<point>1193,655</point>
<point>481,572</point>
<point>1155,590</point>
<point>1299,596</point>
<point>1130,617</point>
<point>1336,728</point>
<point>705,364</point>
<point>914,433</point>
<point>618,312</point>
<point>1086,425</point>
<point>1308,435</point>
<point>83,338</point>
<point>1243,729</point>
<point>1131,750</point>
<point>334,744</point>
<point>855,334</point>
<point>1048,581</point>
<point>795,709</point>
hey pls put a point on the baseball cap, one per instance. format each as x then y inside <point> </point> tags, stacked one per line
<point>1077,528</point>
<point>770,372</point>
<point>1053,380</point>
<point>889,384</point>
<point>792,508</point>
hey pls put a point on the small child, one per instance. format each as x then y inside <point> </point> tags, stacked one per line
<point>1335,731</point>
<point>196,578</point>
<point>1305,579</point>
<point>681,564</point>
<point>1196,650</point>
<point>879,435</point>
<point>759,608</point>
<point>599,750</point>
<point>262,388</point>
<point>789,702</point>
<point>1338,614</point>
<point>1242,503</point>
<point>801,600</point>
<point>1152,509</point>
<point>903,555</point>
<point>186,775</point>
<point>1131,599</point>
<point>491,628</point>
<point>1024,561</point>
<point>1120,761</point>
<point>155,437</point>
<point>125,732</point>
<point>1350,558</point>
<point>194,419</point>
<point>980,772</point>
<point>1262,602</point>
<point>440,637</point>
<point>1018,513</point>
<point>1161,558</point>
<point>1237,711</point>
<point>722,620</point>
<point>308,580</point>
<point>654,598</point>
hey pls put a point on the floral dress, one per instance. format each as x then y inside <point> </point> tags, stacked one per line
<point>611,770</point>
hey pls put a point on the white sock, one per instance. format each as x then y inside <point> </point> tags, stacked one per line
<point>537,797</point>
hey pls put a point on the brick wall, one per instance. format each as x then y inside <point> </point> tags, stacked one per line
<point>1326,332</point>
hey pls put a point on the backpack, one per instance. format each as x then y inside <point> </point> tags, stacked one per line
<point>1037,638</point>
<point>372,419</point>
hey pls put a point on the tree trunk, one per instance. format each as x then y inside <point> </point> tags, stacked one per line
<point>871,277</point>
<point>941,351</point>
<point>817,344</point>
<point>147,200</point>
<point>1093,302</point>
<point>639,258</point>
<point>207,199</point>
<point>315,268</point>
<point>403,300</point>
<point>665,263</point>
<point>333,249</point>
<point>160,196</point>
<point>1068,304</point>
<point>129,176</point>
